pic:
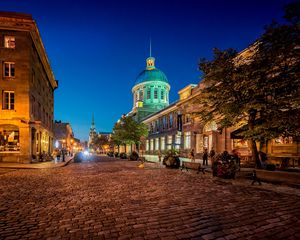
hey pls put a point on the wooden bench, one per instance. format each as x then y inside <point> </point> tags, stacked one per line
<point>193,165</point>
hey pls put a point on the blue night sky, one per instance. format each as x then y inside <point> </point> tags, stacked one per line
<point>97,48</point>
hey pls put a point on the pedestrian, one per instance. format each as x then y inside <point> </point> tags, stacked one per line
<point>58,155</point>
<point>159,156</point>
<point>235,156</point>
<point>63,155</point>
<point>205,157</point>
<point>192,155</point>
<point>212,153</point>
<point>255,178</point>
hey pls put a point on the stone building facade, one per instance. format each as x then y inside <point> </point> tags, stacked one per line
<point>27,86</point>
<point>63,135</point>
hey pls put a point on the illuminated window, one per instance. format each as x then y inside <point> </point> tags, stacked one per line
<point>162,143</point>
<point>170,142</point>
<point>151,144</point>
<point>240,143</point>
<point>177,141</point>
<point>155,93</point>
<point>187,140</point>
<point>9,69</point>
<point>9,42</point>
<point>156,143</point>
<point>9,138</point>
<point>8,100</point>
<point>147,145</point>
<point>283,140</point>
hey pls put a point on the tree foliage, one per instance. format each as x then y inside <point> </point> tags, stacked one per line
<point>128,131</point>
<point>259,85</point>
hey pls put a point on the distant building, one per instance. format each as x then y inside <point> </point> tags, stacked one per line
<point>27,85</point>
<point>64,136</point>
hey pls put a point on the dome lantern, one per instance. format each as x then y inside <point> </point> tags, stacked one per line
<point>150,61</point>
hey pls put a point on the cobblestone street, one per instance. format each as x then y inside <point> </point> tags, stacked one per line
<point>113,199</point>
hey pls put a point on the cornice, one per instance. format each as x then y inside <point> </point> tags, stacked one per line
<point>27,24</point>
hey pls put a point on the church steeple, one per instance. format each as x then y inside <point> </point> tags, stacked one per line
<point>93,132</point>
<point>93,127</point>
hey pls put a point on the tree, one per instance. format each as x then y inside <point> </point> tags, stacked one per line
<point>127,132</point>
<point>259,85</point>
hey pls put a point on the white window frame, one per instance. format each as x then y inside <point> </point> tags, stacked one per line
<point>10,64</point>
<point>10,105</point>
<point>177,141</point>
<point>187,140</point>
<point>151,144</point>
<point>170,141</point>
<point>162,143</point>
<point>156,143</point>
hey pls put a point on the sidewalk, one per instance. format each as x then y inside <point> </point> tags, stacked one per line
<point>291,179</point>
<point>37,165</point>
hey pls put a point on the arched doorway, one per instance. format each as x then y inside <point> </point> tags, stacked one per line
<point>209,135</point>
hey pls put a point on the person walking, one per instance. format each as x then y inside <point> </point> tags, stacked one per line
<point>159,156</point>
<point>192,155</point>
<point>212,154</point>
<point>205,157</point>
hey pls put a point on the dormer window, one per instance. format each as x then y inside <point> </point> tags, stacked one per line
<point>9,42</point>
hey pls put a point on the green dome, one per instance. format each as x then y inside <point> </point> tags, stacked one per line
<point>151,75</point>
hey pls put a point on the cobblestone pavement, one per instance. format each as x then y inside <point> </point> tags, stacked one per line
<point>114,199</point>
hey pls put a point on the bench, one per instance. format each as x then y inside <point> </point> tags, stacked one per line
<point>193,165</point>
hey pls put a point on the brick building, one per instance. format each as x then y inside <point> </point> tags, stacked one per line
<point>27,86</point>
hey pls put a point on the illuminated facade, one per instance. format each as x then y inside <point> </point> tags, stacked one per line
<point>27,85</point>
<point>64,136</point>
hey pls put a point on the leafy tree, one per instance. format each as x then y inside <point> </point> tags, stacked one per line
<point>99,141</point>
<point>259,85</point>
<point>128,131</point>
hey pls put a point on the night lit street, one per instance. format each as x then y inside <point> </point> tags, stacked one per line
<point>114,199</point>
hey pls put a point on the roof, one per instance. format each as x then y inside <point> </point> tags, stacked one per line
<point>151,75</point>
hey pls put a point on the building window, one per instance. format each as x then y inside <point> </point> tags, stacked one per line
<point>187,118</point>
<point>177,141</point>
<point>187,140</point>
<point>147,145</point>
<point>155,93</point>
<point>9,138</point>
<point>148,93</point>
<point>9,42</point>
<point>9,69</point>
<point>171,121</point>
<point>283,140</point>
<point>162,143</point>
<point>239,143</point>
<point>8,100</point>
<point>141,97</point>
<point>169,145</point>
<point>162,95</point>
<point>151,145</point>
<point>156,143</point>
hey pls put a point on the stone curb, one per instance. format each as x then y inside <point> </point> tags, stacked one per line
<point>47,165</point>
